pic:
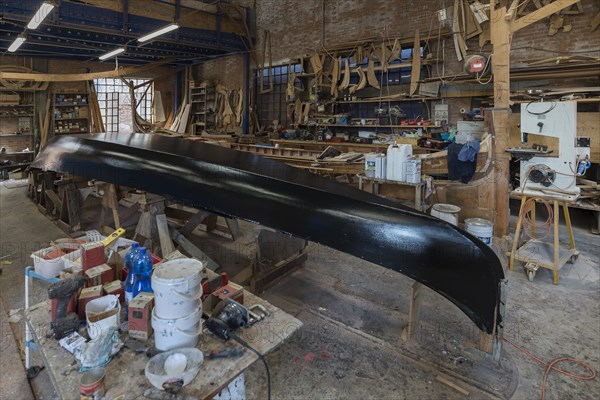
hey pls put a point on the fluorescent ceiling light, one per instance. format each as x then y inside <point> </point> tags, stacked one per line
<point>40,15</point>
<point>161,31</point>
<point>17,43</point>
<point>112,53</point>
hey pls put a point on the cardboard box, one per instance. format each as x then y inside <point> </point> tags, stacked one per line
<point>92,255</point>
<point>140,316</point>
<point>230,291</point>
<point>115,287</point>
<point>88,294</point>
<point>72,342</point>
<point>99,275</point>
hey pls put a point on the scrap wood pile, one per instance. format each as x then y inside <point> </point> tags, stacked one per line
<point>590,193</point>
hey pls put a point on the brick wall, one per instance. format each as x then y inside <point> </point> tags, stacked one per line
<point>297,28</point>
<point>15,143</point>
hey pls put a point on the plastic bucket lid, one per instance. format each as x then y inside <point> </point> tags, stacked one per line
<point>479,223</point>
<point>178,271</point>
<point>446,208</point>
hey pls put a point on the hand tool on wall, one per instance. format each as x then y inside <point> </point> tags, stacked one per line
<point>63,292</point>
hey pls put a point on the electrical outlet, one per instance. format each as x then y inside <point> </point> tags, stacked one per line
<point>441,14</point>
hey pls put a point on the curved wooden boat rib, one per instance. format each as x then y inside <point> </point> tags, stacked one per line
<point>231,183</point>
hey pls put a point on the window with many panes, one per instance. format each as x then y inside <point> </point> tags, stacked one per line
<point>114,100</point>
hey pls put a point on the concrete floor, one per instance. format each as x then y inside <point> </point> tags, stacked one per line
<point>353,311</point>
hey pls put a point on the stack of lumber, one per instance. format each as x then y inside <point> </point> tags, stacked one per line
<point>325,162</point>
<point>590,193</point>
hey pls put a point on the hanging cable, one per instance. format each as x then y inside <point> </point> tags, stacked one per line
<point>262,358</point>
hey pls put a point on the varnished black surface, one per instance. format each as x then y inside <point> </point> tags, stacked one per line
<point>232,183</point>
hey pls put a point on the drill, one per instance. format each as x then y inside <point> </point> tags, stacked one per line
<point>63,291</point>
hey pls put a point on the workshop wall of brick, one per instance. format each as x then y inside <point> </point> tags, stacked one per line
<point>14,144</point>
<point>229,71</point>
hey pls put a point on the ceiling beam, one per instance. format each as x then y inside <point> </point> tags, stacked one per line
<point>41,77</point>
<point>541,13</point>
<point>197,19</point>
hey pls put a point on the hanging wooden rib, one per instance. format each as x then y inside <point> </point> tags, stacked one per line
<point>362,82</point>
<point>346,80</point>
<point>335,77</point>
<point>395,52</point>
<point>371,73</point>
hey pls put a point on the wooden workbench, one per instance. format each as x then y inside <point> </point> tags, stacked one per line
<point>125,377</point>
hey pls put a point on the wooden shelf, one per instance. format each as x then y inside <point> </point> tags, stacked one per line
<point>69,119</point>
<point>15,135</point>
<point>385,101</point>
<point>70,133</point>
<point>15,115</point>
<point>16,105</point>
<point>375,126</point>
<point>71,105</point>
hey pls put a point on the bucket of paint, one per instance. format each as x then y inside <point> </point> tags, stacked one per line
<point>412,171</point>
<point>446,212</point>
<point>481,229</point>
<point>370,164</point>
<point>177,287</point>
<point>175,333</point>
<point>91,385</point>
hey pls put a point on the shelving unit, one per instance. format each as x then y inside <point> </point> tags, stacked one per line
<point>17,109</point>
<point>71,113</point>
<point>202,99</point>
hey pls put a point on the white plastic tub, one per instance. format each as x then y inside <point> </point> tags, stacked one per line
<point>175,333</point>
<point>177,287</point>
<point>51,268</point>
<point>446,212</point>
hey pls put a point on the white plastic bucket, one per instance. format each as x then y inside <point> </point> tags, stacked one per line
<point>480,228</point>
<point>175,333</point>
<point>177,287</point>
<point>446,212</point>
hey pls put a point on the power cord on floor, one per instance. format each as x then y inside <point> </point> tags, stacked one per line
<point>551,366</point>
<point>252,349</point>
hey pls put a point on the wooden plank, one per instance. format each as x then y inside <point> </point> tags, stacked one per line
<point>542,13</point>
<point>166,245</point>
<point>512,10</point>
<point>113,73</point>
<point>500,34</point>
<point>193,222</point>
<point>595,22</point>
<point>415,72</point>
<point>449,383</point>
<point>194,251</point>
<point>414,312</point>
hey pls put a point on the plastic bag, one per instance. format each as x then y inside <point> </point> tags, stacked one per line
<point>99,352</point>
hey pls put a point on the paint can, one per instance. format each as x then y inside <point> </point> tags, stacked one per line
<point>91,385</point>
<point>177,287</point>
<point>480,228</point>
<point>174,333</point>
<point>412,171</point>
<point>446,212</point>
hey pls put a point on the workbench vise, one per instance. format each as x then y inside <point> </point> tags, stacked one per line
<point>63,291</point>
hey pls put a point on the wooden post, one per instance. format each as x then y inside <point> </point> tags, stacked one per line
<point>500,35</point>
<point>414,312</point>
